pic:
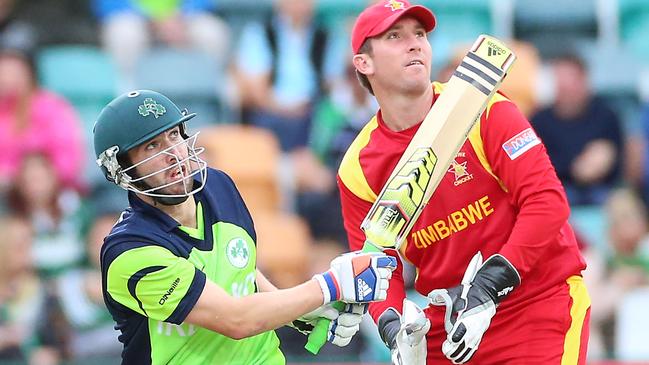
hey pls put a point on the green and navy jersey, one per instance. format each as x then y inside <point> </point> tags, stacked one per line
<point>154,270</point>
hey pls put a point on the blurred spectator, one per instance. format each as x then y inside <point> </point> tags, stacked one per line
<point>340,117</point>
<point>337,121</point>
<point>130,27</point>
<point>582,134</point>
<point>33,119</point>
<point>611,275</point>
<point>22,298</point>
<point>13,31</point>
<point>283,67</point>
<point>638,158</point>
<point>38,196</point>
<point>628,230</point>
<point>93,332</point>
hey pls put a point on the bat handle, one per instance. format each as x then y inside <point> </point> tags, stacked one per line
<point>318,336</point>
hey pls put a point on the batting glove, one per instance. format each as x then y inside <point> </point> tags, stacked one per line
<point>343,326</point>
<point>357,277</point>
<point>471,305</point>
<point>405,335</point>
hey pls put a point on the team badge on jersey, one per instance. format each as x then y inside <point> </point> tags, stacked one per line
<point>238,252</point>
<point>521,143</point>
<point>460,171</point>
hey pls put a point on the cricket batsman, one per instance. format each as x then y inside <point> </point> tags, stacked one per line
<point>179,270</point>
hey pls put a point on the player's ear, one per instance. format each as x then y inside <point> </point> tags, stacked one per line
<point>363,63</point>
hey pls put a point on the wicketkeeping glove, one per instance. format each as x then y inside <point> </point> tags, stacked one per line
<point>471,305</point>
<point>405,335</point>
<point>357,277</point>
<point>343,326</point>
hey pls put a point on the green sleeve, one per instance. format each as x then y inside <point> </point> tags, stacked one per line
<point>154,282</point>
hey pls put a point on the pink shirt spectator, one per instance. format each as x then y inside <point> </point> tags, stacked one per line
<point>53,129</point>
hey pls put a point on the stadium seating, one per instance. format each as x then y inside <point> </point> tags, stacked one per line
<point>251,156</point>
<point>238,12</point>
<point>283,251</point>
<point>85,75</point>
<point>333,12</point>
<point>614,72</point>
<point>87,78</point>
<point>554,28</point>
<point>191,78</point>
<point>457,22</point>
<point>634,26</point>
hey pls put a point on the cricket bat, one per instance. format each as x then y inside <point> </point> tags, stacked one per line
<point>430,152</point>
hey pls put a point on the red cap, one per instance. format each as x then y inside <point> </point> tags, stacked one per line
<point>377,18</point>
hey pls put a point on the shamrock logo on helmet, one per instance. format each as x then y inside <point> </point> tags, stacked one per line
<point>151,107</point>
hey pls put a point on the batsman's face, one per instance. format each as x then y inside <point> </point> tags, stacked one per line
<point>401,58</point>
<point>165,158</point>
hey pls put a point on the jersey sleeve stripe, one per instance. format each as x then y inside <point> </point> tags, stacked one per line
<point>578,313</point>
<point>150,280</point>
<point>351,172</point>
<point>133,280</point>
<point>475,138</point>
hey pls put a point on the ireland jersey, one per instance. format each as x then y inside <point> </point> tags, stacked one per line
<point>154,271</point>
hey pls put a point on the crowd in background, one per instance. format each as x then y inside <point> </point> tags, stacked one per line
<point>278,105</point>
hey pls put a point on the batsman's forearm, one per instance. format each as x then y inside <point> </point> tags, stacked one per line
<point>263,284</point>
<point>266,311</point>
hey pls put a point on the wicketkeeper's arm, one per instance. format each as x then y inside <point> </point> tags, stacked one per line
<point>471,305</point>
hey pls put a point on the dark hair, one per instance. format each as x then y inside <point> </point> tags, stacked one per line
<point>572,58</point>
<point>19,39</point>
<point>17,200</point>
<point>366,47</point>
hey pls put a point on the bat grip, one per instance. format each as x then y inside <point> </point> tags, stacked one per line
<point>318,336</point>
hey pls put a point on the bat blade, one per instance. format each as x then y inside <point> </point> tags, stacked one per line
<point>439,138</point>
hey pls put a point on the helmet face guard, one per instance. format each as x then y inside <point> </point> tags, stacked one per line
<point>187,167</point>
<point>131,120</point>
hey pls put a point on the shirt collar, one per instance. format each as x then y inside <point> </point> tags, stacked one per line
<point>407,134</point>
<point>163,219</point>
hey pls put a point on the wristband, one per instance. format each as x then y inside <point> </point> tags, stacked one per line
<point>329,286</point>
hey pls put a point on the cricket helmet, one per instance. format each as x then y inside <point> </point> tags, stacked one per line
<point>132,119</point>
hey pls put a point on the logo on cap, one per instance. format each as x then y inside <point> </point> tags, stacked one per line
<point>151,107</point>
<point>395,5</point>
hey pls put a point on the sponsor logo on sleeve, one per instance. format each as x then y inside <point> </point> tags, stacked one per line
<point>521,143</point>
<point>166,295</point>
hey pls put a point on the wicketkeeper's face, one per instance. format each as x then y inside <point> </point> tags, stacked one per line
<point>401,57</point>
